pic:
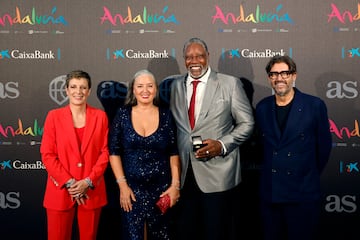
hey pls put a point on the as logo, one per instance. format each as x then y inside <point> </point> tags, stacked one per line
<point>9,90</point>
<point>112,95</point>
<point>9,200</point>
<point>339,204</point>
<point>342,90</point>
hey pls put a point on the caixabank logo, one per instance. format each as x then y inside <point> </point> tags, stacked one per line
<point>350,53</point>
<point>123,54</point>
<point>37,54</point>
<point>253,53</point>
<point>349,167</point>
<point>17,164</point>
<point>4,54</point>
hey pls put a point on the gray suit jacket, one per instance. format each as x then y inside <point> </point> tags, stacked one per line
<point>226,115</point>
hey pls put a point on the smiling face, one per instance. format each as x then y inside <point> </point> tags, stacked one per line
<point>145,89</point>
<point>281,85</point>
<point>196,60</point>
<point>78,91</point>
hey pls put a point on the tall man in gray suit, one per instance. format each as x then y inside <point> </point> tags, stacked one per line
<point>209,150</point>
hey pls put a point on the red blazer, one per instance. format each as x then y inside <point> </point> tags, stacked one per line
<point>64,159</point>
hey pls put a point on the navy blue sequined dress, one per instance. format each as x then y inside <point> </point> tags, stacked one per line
<point>146,162</point>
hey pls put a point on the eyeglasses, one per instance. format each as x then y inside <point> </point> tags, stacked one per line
<point>196,57</point>
<point>283,74</point>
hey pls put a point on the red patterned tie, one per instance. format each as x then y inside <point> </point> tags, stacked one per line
<point>192,105</point>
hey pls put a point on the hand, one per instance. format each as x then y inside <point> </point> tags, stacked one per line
<point>81,199</point>
<point>78,191</point>
<point>174,193</point>
<point>213,148</point>
<point>127,196</point>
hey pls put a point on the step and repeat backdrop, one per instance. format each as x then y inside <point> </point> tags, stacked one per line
<point>40,41</point>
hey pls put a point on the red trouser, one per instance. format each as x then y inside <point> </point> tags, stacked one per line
<point>60,223</point>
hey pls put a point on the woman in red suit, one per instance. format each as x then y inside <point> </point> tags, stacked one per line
<point>75,153</point>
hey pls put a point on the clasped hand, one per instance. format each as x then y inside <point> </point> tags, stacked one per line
<point>78,191</point>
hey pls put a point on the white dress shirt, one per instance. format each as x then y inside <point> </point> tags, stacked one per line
<point>200,90</point>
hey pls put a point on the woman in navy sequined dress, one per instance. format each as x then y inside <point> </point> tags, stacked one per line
<point>144,159</point>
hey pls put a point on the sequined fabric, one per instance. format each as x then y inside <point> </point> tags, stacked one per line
<point>146,162</point>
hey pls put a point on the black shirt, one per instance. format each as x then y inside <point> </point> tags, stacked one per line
<point>282,113</point>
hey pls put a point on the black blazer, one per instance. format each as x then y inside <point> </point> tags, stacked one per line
<point>294,160</point>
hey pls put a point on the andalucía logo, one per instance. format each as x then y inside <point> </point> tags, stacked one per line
<point>33,17</point>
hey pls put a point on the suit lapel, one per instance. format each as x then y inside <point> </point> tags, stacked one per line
<point>294,118</point>
<point>69,129</point>
<point>182,103</point>
<point>211,86</point>
<point>273,122</point>
<point>90,127</point>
